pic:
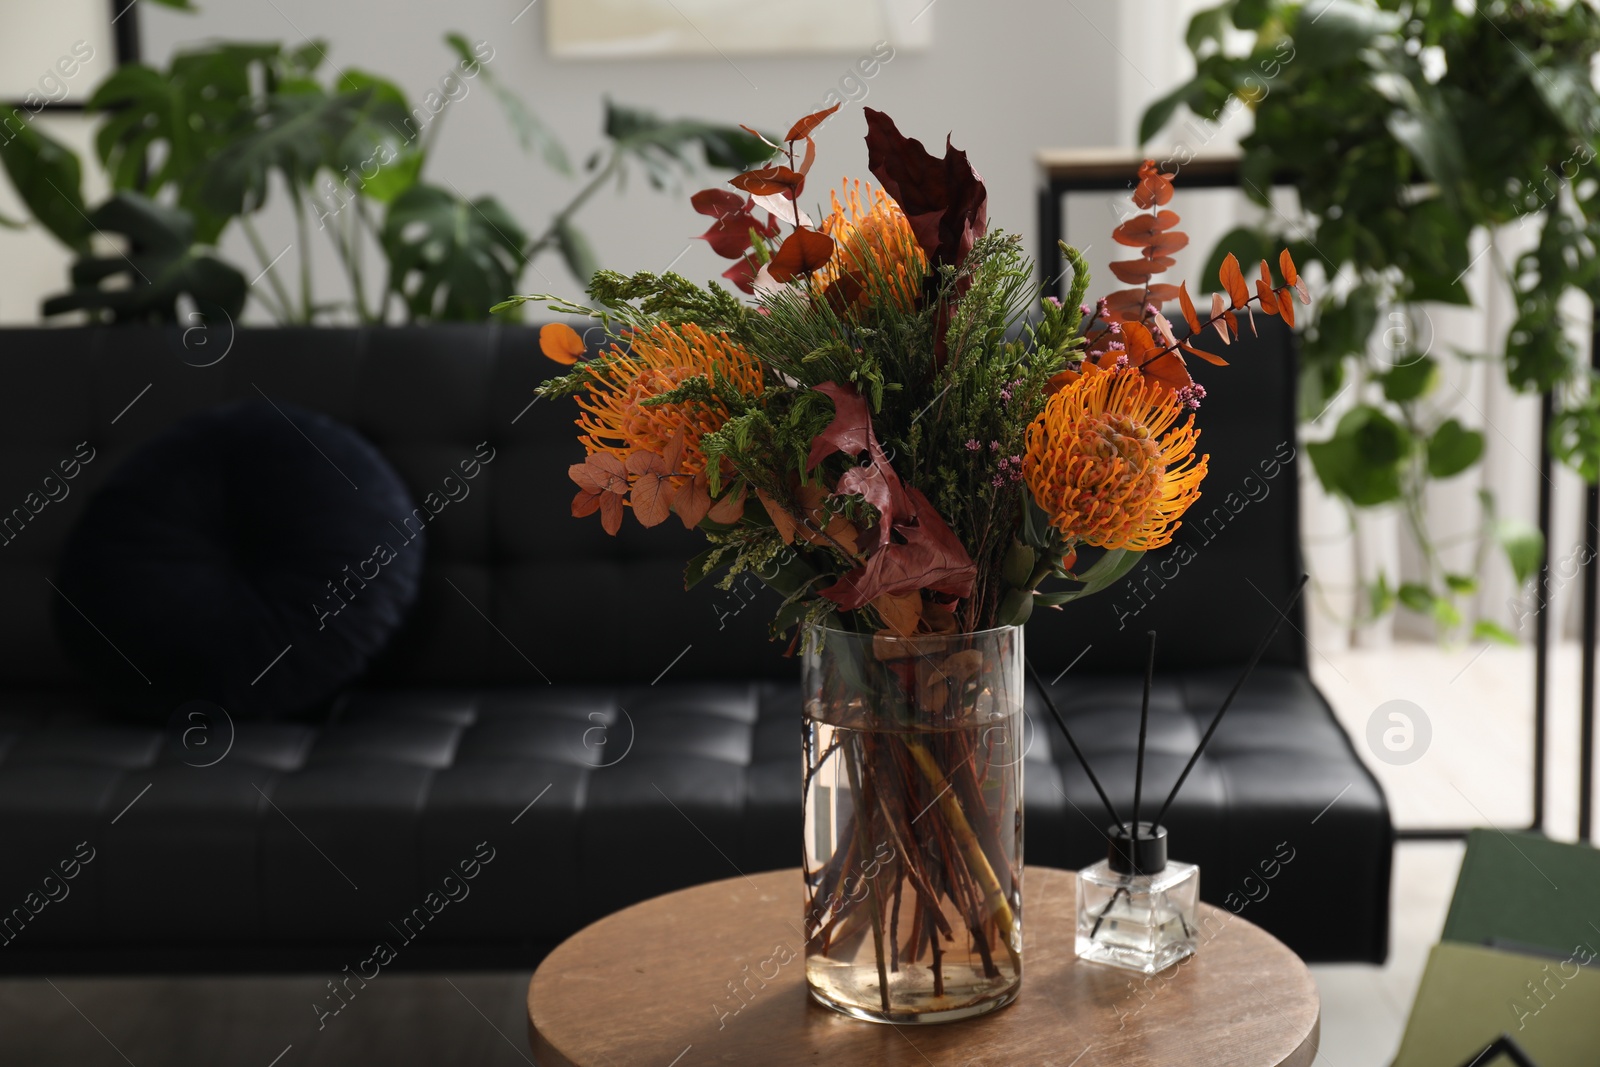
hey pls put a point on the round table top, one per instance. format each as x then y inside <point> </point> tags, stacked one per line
<point>650,986</point>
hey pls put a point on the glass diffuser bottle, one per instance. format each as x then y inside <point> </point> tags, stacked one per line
<point>1136,908</point>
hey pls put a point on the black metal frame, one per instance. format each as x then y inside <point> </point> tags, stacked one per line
<point>125,39</point>
<point>1223,173</point>
<point>1504,1045</point>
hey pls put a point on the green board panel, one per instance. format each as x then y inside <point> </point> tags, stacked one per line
<point>1471,995</point>
<point>1524,892</point>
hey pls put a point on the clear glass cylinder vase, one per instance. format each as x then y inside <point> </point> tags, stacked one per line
<point>913,822</point>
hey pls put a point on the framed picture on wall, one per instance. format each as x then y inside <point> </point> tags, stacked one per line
<point>606,29</point>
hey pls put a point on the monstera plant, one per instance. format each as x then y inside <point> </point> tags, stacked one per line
<point>1410,129</point>
<point>207,144</point>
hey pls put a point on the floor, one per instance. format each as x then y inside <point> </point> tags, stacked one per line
<point>1473,770</point>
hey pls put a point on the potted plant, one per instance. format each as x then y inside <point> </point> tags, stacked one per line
<point>1406,129</point>
<point>202,147</point>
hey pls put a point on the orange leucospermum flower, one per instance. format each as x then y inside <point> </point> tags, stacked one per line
<point>1107,464</point>
<point>658,360</point>
<point>876,252</point>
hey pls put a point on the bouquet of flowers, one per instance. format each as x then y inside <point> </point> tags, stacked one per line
<point>890,440</point>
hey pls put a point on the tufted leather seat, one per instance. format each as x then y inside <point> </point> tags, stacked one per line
<point>560,704</point>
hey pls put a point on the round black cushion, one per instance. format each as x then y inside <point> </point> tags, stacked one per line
<point>240,533</point>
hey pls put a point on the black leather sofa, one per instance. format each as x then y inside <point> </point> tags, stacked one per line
<point>560,719</point>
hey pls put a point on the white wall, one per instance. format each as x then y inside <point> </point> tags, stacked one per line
<point>1007,77</point>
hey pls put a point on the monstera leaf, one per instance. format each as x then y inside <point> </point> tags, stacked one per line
<point>162,265</point>
<point>375,157</point>
<point>296,134</point>
<point>451,258</point>
<point>188,112</point>
<point>49,180</point>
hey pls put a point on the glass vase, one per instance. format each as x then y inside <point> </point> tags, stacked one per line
<point>913,823</point>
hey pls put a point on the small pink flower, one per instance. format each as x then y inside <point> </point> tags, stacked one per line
<point>1191,395</point>
<point>974,446</point>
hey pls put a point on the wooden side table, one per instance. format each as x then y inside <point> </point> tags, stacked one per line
<point>715,974</point>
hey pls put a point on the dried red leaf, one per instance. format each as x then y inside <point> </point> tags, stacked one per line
<point>1218,306</point>
<point>717,202</point>
<point>1286,308</point>
<point>602,483</point>
<point>652,488</point>
<point>1160,293</point>
<point>1140,230</point>
<point>1146,354</point>
<point>1060,380</point>
<point>611,513</point>
<point>1164,244</point>
<point>729,236</point>
<point>805,126</point>
<point>1232,279</point>
<point>1269,303</point>
<point>780,209</point>
<point>803,252</point>
<point>1210,357</point>
<point>1187,304</point>
<point>728,510</point>
<point>561,343</point>
<point>928,556</point>
<point>743,274</point>
<point>944,200</point>
<point>782,521</point>
<point>769,180</point>
<point>1133,271</point>
<point>758,135</point>
<point>844,292</point>
<point>810,156</point>
<point>1126,305</point>
<point>1286,266</point>
<point>901,613</point>
<point>1154,187</point>
<point>1163,329</point>
<point>915,549</point>
<point>693,501</point>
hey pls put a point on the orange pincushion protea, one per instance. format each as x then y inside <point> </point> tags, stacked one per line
<point>1106,464</point>
<point>875,246</point>
<point>616,420</point>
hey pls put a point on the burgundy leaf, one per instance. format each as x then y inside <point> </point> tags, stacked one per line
<point>729,236</point>
<point>803,252</point>
<point>916,549</point>
<point>944,199</point>
<point>743,274</point>
<point>717,202</point>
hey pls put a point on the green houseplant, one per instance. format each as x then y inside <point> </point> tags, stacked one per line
<point>1406,127</point>
<point>207,143</point>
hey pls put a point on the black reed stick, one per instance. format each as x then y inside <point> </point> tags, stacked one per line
<point>1283,614</point>
<point>1144,723</point>
<point>1076,751</point>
